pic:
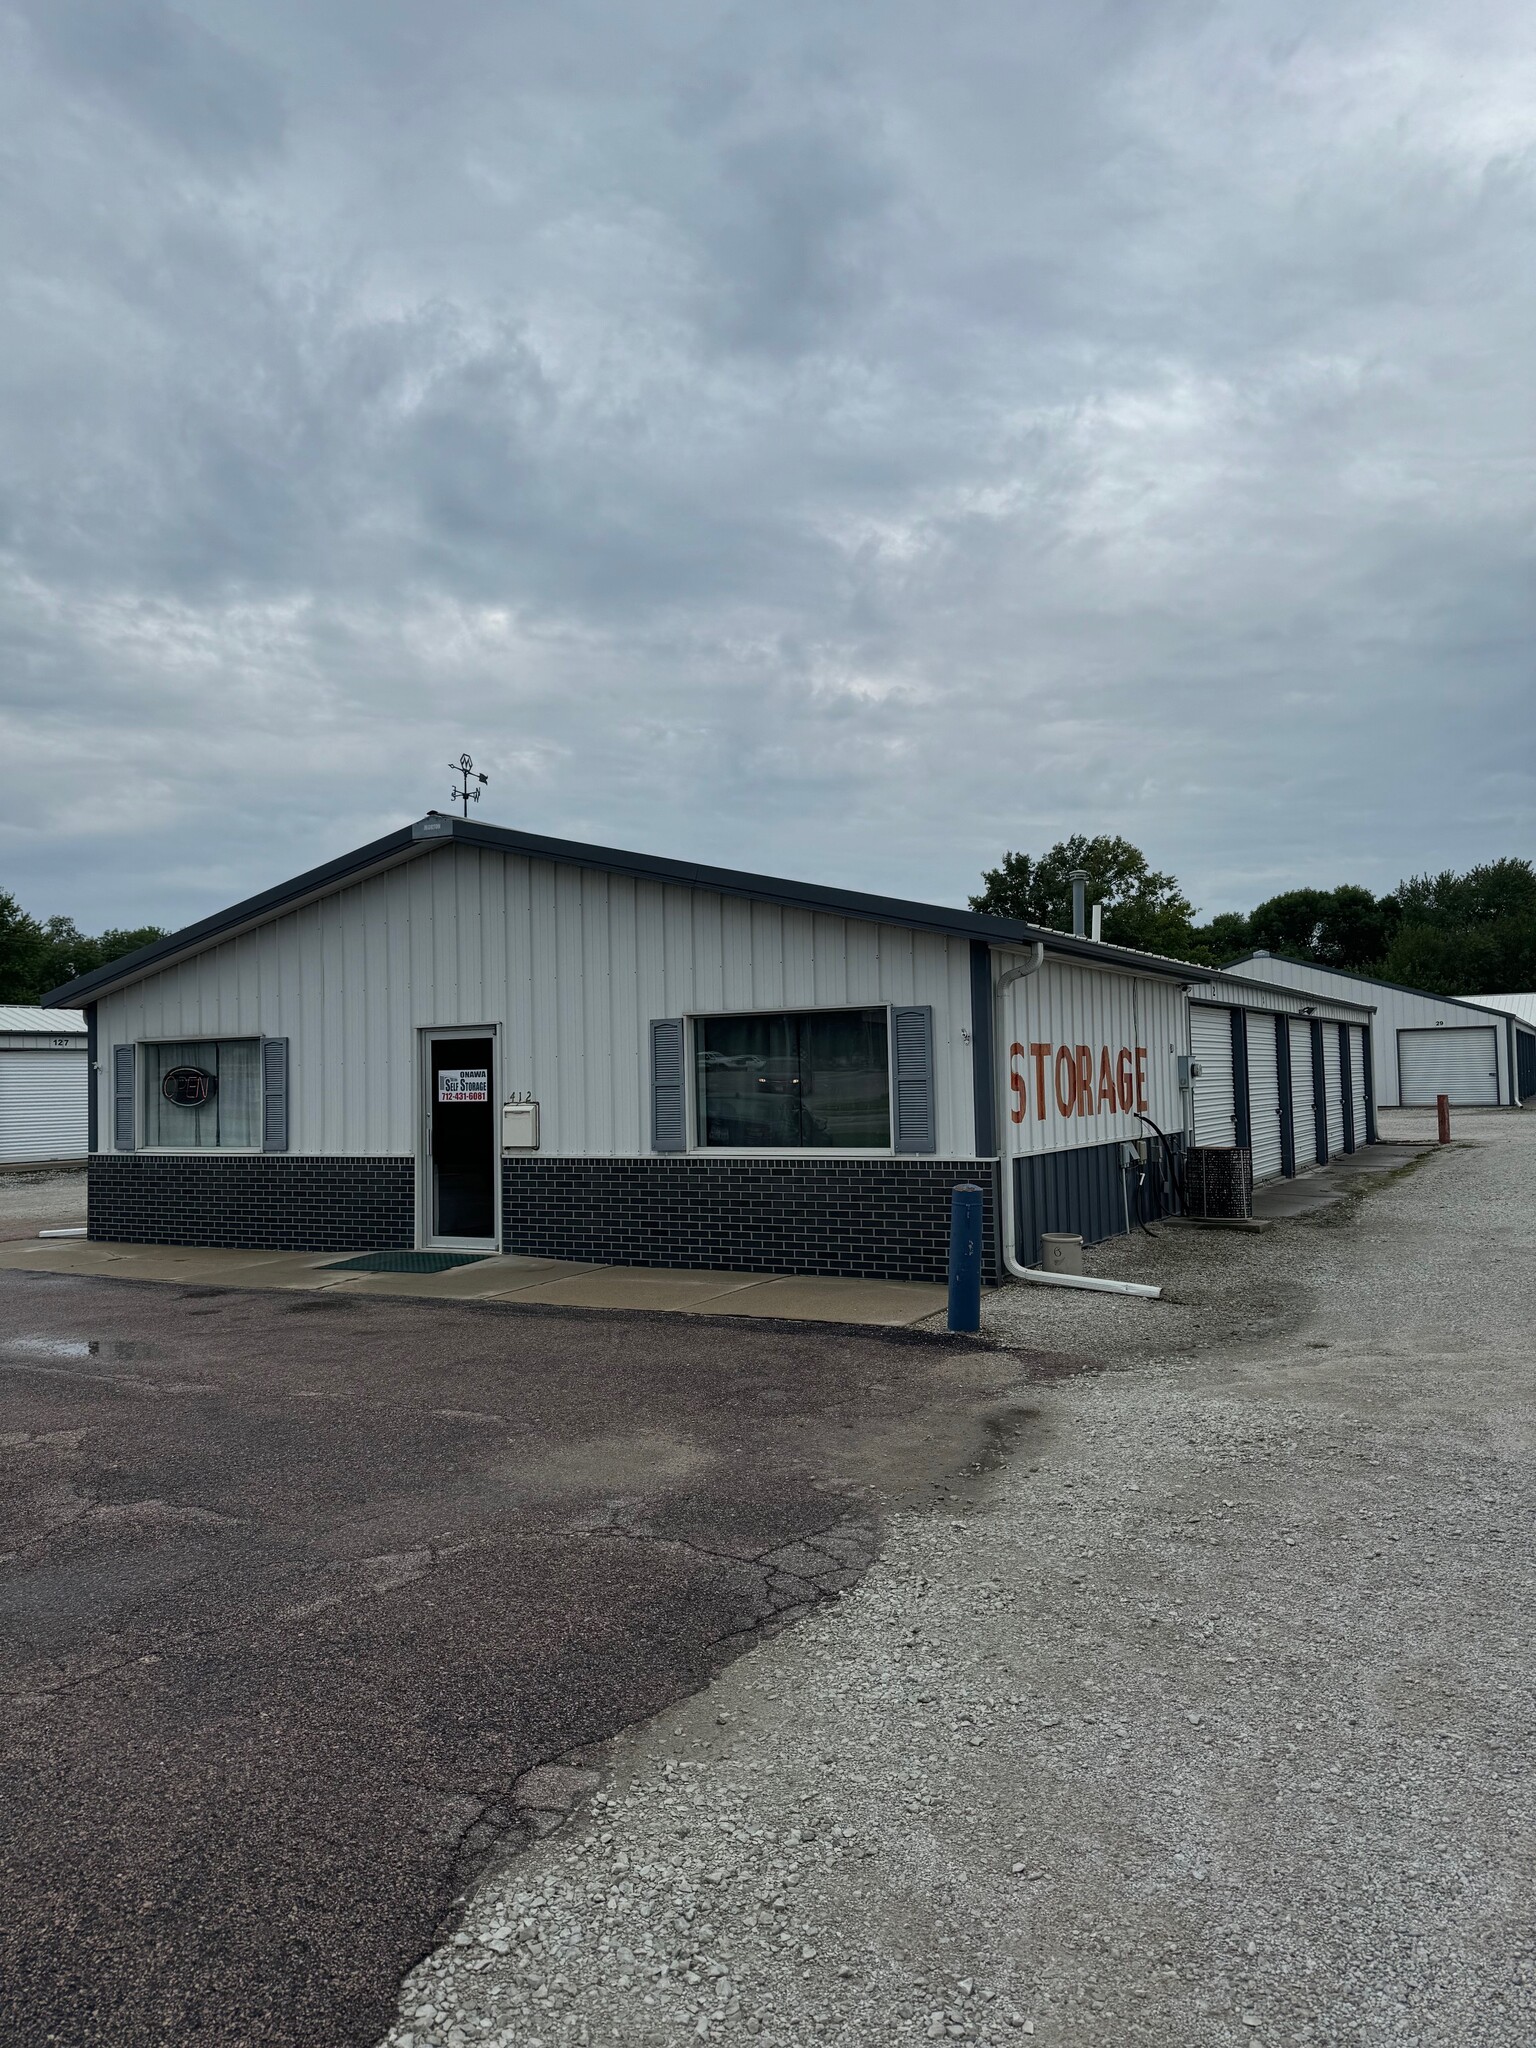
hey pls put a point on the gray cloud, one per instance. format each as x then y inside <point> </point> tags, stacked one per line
<point>832,440</point>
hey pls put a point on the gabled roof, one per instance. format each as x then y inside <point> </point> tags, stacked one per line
<point>435,830</point>
<point>26,1019</point>
<point>1371,980</point>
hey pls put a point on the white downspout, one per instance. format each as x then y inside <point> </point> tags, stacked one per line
<point>1033,1274</point>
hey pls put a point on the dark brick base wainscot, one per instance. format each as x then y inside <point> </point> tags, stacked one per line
<point>871,1219</point>
<point>253,1202</point>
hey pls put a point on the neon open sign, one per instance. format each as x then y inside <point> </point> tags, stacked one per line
<point>189,1087</point>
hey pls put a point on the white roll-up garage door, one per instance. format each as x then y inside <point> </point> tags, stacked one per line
<point>1455,1060</point>
<point>42,1105</point>
<point>1357,1083</point>
<point>1303,1121</point>
<point>1210,1040</point>
<point>1333,1083</point>
<point>1264,1096</point>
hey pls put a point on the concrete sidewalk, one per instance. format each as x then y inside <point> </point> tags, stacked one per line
<point>887,1303</point>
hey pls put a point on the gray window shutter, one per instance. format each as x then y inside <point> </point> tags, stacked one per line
<point>124,1090</point>
<point>912,1118</point>
<point>274,1095</point>
<point>669,1086</point>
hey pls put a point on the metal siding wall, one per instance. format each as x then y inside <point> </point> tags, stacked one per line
<point>1064,1004</point>
<point>1082,1190</point>
<point>569,964</point>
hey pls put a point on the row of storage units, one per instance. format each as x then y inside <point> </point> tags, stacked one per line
<point>1289,1081</point>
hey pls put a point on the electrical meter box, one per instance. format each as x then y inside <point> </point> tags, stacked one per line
<point>1189,1071</point>
<point>519,1127</point>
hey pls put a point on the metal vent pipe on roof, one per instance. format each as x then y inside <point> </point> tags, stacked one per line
<point>1079,903</point>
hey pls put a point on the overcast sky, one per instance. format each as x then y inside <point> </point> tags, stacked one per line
<point>840,440</point>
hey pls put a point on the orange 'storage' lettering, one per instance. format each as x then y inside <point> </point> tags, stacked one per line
<point>1066,1079</point>
<point>1106,1080</point>
<point>1016,1082</point>
<point>1084,1080</point>
<point>1141,1078</point>
<point>1040,1054</point>
<point>1123,1077</point>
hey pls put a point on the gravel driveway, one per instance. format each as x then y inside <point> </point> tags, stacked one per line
<point>1206,1719</point>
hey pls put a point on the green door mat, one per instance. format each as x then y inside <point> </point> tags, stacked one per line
<point>405,1262</point>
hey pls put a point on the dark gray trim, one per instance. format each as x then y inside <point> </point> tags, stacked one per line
<point>274,1095</point>
<point>1525,1063</point>
<point>1319,1094</point>
<point>1242,1108</point>
<point>669,1085</point>
<point>983,1050</point>
<point>1370,1087</point>
<point>125,1094</point>
<point>1347,1083</point>
<point>1287,1104</point>
<point>436,830</point>
<point>93,1097</point>
<point>914,1121</point>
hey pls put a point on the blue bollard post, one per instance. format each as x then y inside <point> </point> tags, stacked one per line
<point>965,1257</point>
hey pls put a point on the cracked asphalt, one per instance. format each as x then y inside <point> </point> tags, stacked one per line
<point>301,1598</point>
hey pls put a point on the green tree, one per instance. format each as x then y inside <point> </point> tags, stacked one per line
<point>1225,937</point>
<point>1346,927</point>
<point>1142,908</point>
<point>22,945</point>
<point>36,958</point>
<point>1460,934</point>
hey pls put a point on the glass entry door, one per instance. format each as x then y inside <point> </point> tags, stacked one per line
<point>461,1142</point>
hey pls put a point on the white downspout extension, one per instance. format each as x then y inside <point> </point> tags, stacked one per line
<point>1033,1274</point>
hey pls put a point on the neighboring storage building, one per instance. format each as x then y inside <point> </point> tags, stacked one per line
<point>1522,1008</point>
<point>1423,1045</point>
<point>467,1037</point>
<point>44,1089</point>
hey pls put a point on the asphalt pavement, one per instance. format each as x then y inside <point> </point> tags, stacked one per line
<point>298,1590</point>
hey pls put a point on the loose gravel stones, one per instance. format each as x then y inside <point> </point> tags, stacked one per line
<point>1208,1721</point>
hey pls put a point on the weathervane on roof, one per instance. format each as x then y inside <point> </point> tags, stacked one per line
<point>469,776</point>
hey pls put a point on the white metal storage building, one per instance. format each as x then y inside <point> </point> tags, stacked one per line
<point>44,1088</point>
<point>463,1036</point>
<point>1424,1045</point>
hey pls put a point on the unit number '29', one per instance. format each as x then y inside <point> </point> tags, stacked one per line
<point>1083,1084</point>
